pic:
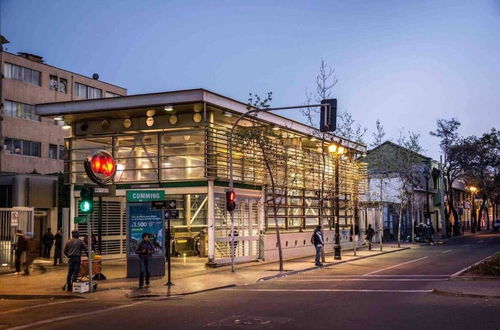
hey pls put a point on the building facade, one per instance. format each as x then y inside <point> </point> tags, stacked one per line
<point>177,142</point>
<point>33,152</point>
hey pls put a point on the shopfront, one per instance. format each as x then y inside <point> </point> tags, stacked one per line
<point>177,143</point>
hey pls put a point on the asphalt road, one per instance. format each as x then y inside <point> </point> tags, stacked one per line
<point>391,291</point>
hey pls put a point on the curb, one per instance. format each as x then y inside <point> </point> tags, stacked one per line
<point>294,272</point>
<point>461,294</point>
<point>167,296</point>
<point>39,296</point>
<point>466,269</point>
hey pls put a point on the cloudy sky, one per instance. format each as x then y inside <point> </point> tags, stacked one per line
<point>407,63</point>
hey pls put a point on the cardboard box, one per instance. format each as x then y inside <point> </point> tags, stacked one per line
<point>81,287</point>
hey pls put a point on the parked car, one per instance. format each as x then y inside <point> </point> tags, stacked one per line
<point>496,224</point>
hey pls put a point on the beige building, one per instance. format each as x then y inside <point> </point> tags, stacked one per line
<point>33,147</point>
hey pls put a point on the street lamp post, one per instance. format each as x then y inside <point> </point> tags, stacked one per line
<point>337,248</point>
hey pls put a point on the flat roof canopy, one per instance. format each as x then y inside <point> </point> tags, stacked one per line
<point>85,109</point>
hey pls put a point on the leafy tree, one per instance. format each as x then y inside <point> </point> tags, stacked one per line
<point>447,132</point>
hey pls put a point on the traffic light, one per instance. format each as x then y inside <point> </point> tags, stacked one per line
<point>87,200</point>
<point>328,117</point>
<point>230,200</point>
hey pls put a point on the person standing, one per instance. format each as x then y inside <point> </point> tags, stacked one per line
<point>318,242</point>
<point>57,247</point>
<point>369,236</point>
<point>32,250</point>
<point>48,241</point>
<point>19,249</point>
<point>145,251</point>
<point>73,250</point>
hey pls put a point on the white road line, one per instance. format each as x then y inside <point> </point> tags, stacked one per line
<point>468,267</point>
<point>63,318</point>
<point>446,251</point>
<point>376,276</point>
<point>331,290</point>
<point>401,264</point>
<point>33,306</point>
<point>370,279</point>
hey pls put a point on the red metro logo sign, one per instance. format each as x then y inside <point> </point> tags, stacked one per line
<point>100,167</point>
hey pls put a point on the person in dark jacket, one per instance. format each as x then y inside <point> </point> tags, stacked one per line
<point>73,250</point>
<point>318,242</point>
<point>20,248</point>
<point>58,247</point>
<point>47,241</point>
<point>145,251</point>
<point>369,236</point>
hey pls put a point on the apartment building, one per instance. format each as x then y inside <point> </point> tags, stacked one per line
<point>32,147</point>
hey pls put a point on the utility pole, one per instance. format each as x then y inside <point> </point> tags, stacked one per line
<point>337,248</point>
<point>381,215</point>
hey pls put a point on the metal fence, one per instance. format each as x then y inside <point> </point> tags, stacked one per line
<point>12,219</point>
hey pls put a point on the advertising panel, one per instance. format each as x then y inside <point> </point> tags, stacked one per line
<point>142,219</point>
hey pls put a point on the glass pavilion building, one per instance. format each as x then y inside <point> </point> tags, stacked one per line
<point>177,142</point>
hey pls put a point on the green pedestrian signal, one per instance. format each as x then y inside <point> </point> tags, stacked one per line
<point>87,200</point>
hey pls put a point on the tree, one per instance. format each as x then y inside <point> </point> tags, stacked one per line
<point>273,147</point>
<point>378,135</point>
<point>479,163</point>
<point>349,129</point>
<point>447,132</point>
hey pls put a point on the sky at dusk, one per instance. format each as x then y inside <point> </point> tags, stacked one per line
<point>407,63</point>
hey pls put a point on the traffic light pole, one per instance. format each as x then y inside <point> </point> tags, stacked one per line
<point>169,253</point>
<point>89,232</point>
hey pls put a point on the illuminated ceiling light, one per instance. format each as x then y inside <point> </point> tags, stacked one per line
<point>228,114</point>
<point>332,148</point>
<point>66,125</point>
<point>312,139</point>
<point>168,108</point>
<point>150,112</point>
<point>342,150</point>
<point>187,137</point>
<point>275,128</point>
<point>58,118</point>
<point>197,117</point>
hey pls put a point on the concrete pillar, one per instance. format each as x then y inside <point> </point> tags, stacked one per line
<point>211,221</point>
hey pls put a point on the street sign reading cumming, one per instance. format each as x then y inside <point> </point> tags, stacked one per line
<point>145,195</point>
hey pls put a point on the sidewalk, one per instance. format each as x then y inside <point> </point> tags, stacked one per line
<point>189,276</point>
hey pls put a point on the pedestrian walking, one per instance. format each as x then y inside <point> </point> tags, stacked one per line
<point>318,242</point>
<point>47,241</point>
<point>32,250</point>
<point>20,247</point>
<point>369,236</point>
<point>73,251</point>
<point>58,247</point>
<point>145,251</point>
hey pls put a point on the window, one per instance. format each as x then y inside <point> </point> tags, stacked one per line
<point>53,82</point>
<point>20,110</point>
<point>12,71</point>
<point>109,94</point>
<point>52,151</point>
<point>86,92</point>
<point>23,147</point>
<point>63,85</point>
<point>62,152</point>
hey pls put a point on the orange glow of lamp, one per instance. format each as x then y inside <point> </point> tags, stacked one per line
<point>100,167</point>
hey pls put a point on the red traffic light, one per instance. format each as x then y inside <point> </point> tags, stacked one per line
<point>100,167</point>
<point>230,200</point>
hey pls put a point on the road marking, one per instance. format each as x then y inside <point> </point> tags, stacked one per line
<point>446,251</point>
<point>34,306</point>
<point>401,264</point>
<point>370,279</point>
<point>63,318</point>
<point>468,267</point>
<point>331,290</point>
<point>375,276</point>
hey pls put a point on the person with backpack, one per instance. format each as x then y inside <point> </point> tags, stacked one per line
<point>369,235</point>
<point>318,242</point>
<point>145,251</point>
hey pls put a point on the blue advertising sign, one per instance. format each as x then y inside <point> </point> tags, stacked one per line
<point>142,219</point>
